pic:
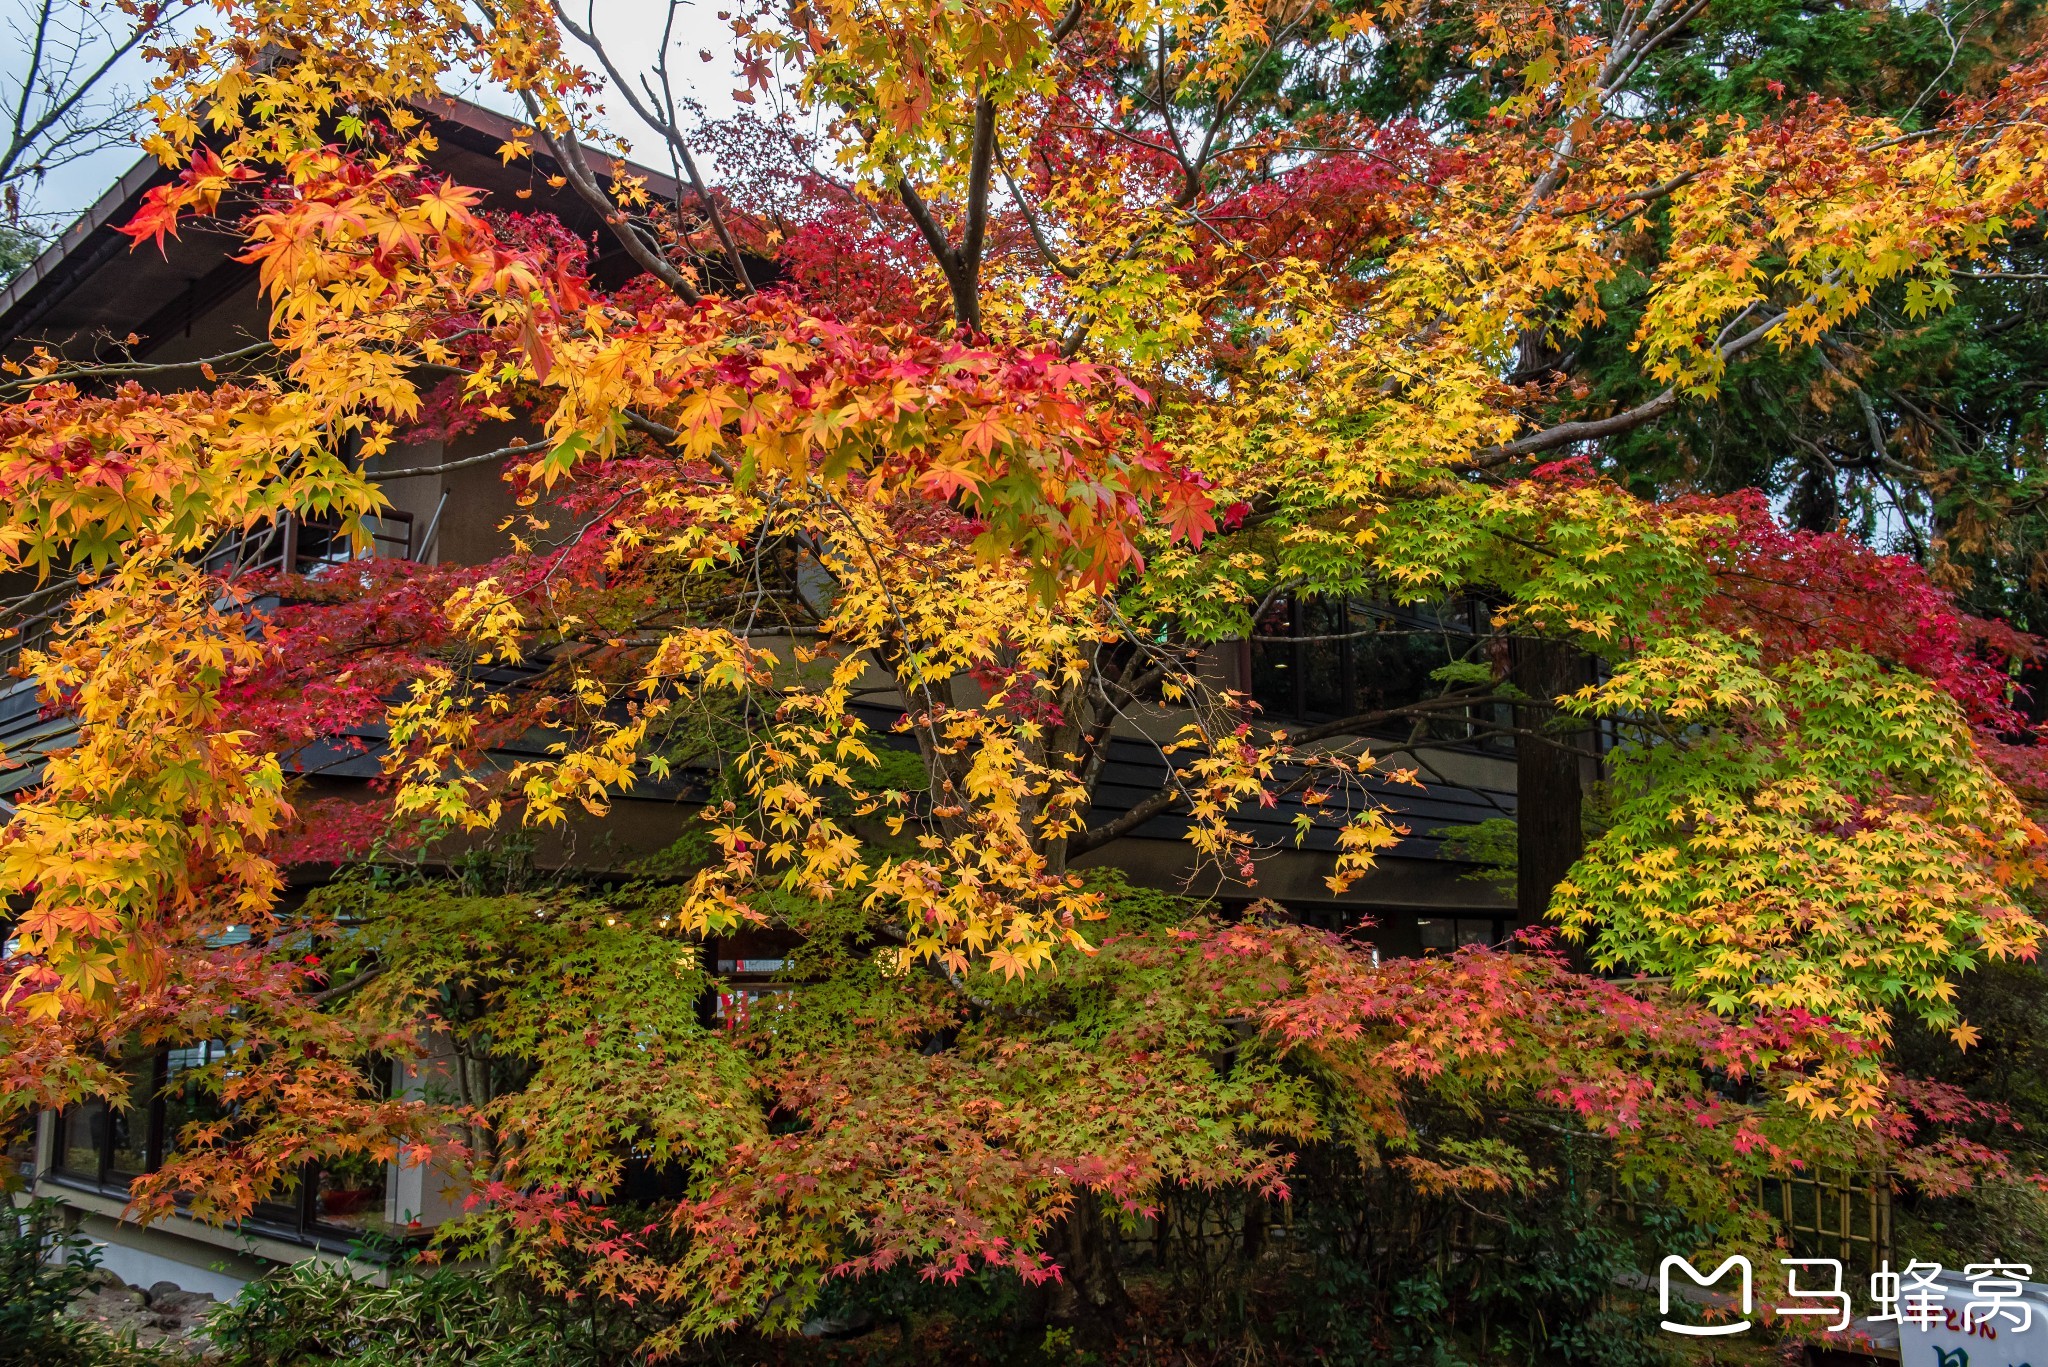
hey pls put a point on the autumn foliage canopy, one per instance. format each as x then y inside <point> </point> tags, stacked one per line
<point>948,430</point>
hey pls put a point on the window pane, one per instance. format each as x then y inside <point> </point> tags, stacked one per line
<point>1498,714</point>
<point>21,1149</point>
<point>756,965</point>
<point>351,1192</point>
<point>1394,664</point>
<point>1272,680</point>
<point>1322,661</point>
<point>131,1140</point>
<point>1371,656</point>
<point>185,1102</point>
<point>131,1122</point>
<point>1475,932</point>
<point>755,953</point>
<point>348,1193</point>
<point>735,1006</point>
<point>1436,933</point>
<point>78,1149</point>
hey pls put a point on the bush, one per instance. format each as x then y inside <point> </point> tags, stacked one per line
<point>36,1291</point>
<point>316,1313</point>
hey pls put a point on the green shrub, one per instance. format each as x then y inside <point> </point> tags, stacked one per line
<point>35,1291</point>
<point>316,1313</point>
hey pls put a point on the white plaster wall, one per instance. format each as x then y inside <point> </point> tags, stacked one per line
<point>139,1267</point>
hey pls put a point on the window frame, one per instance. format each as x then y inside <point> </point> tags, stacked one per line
<point>104,1176</point>
<point>1499,925</point>
<point>292,1214</point>
<point>1460,619</point>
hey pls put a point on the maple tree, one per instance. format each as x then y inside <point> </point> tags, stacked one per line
<point>915,460</point>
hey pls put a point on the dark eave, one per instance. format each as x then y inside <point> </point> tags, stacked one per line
<point>80,251</point>
<point>92,285</point>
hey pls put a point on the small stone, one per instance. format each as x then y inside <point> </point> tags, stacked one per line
<point>835,1327</point>
<point>105,1303</point>
<point>180,1302</point>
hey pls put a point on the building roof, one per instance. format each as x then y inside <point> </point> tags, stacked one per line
<point>75,289</point>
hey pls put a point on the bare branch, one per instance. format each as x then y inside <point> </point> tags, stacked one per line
<point>567,153</point>
<point>484,458</point>
<point>1045,248</point>
<point>41,138</point>
<point>668,125</point>
<point>1095,837</point>
<point>132,369</point>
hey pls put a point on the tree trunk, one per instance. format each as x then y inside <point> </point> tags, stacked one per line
<point>1548,836</point>
<point>1089,1291</point>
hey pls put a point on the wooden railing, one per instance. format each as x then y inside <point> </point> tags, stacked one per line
<point>1834,1214</point>
<point>289,544</point>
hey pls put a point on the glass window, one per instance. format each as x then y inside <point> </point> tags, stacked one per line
<point>1442,934</point>
<point>21,1144</point>
<point>752,965</point>
<point>130,1137</point>
<point>185,1101</point>
<point>345,1196</point>
<point>348,1193</point>
<point>130,1155</point>
<point>1393,662</point>
<point>81,1140</point>
<point>736,1006</point>
<point>1272,663</point>
<point>755,951</point>
<point>1321,658</point>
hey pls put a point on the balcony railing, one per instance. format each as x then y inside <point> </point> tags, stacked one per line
<point>289,544</point>
<point>301,545</point>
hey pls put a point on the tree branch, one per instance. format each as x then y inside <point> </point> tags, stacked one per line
<point>485,458</point>
<point>1095,837</point>
<point>567,153</point>
<point>1031,222</point>
<point>1592,429</point>
<point>974,236</point>
<point>669,129</point>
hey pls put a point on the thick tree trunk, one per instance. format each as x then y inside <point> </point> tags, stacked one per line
<point>1548,837</point>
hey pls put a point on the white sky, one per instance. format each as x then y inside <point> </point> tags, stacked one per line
<point>629,27</point>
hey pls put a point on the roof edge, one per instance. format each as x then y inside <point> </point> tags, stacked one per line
<point>50,263</point>
<point>48,271</point>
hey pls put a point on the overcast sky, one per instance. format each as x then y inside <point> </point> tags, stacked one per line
<point>627,26</point>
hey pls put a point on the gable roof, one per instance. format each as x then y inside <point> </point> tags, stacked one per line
<point>92,280</point>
